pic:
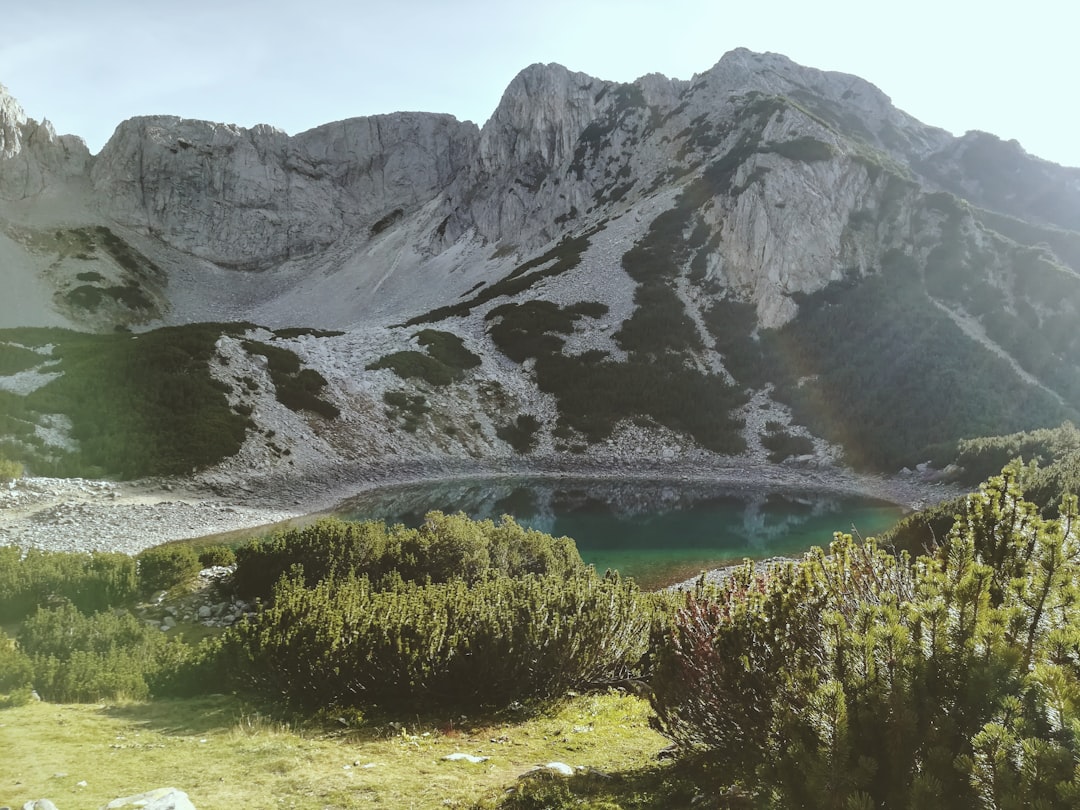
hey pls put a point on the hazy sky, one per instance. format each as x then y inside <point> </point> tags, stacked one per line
<point>86,65</point>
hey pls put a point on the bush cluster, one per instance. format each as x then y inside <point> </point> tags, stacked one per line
<point>457,614</point>
<point>218,555</point>
<point>165,567</point>
<point>445,361</point>
<point>564,256</point>
<point>140,405</point>
<point>783,444</point>
<point>859,679</point>
<point>295,387</point>
<point>16,673</point>
<point>521,433</point>
<point>832,347</point>
<point>76,657</point>
<point>91,582</point>
<point>450,645</point>
<point>444,547</point>
<point>9,470</point>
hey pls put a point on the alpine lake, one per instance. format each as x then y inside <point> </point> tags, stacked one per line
<point>658,532</point>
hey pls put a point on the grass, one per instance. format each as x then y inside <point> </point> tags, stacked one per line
<point>224,753</point>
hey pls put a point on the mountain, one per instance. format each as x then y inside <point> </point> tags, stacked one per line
<point>764,260</point>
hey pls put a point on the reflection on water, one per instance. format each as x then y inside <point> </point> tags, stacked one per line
<point>656,531</point>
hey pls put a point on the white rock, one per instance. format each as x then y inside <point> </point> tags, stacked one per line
<point>460,757</point>
<point>160,799</point>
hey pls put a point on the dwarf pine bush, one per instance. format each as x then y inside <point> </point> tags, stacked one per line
<point>444,547</point>
<point>859,679</point>
<point>449,645</point>
<point>89,581</point>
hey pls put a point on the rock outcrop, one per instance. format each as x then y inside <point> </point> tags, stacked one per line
<point>32,156</point>
<point>252,199</point>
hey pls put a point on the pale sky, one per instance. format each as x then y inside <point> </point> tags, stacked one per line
<point>86,65</point>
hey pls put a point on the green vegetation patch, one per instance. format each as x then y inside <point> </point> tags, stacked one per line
<point>783,444</point>
<point>531,329</point>
<point>594,393</point>
<point>140,405</point>
<point>445,362</point>
<point>444,547</point>
<point>827,365</point>
<point>301,331</point>
<point>454,615</point>
<point>92,582</point>
<point>448,349</point>
<point>406,408</point>
<point>296,388</point>
<point>14,358</point>
<point>563,257</point>
<point>521,433</point>
<point>805,149</point>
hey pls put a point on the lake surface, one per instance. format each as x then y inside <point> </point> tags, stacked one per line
<point>658,532</point>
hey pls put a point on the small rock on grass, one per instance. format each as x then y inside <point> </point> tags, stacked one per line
<point>459,757</point>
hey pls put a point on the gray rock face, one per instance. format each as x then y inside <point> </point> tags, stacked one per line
<point>352,216</point>
<point>12,120</point>
<point>249,199</point>
<point>32,157</point>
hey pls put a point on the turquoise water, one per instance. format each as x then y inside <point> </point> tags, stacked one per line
<point>658,532</point>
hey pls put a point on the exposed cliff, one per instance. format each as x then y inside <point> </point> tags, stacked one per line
<point>252,199</point>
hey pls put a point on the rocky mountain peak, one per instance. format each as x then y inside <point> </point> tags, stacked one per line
<point>12,120</point>
<point>539,117</point>
<point>32,156</point>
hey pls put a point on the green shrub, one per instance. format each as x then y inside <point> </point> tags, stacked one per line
<point>861,679</point>
<point>295,387</point>
<point>10,470</point>
<point>448,349</point>
<point>446,360</point>
<point>564,256</point>
<point>832,348</point>
<point>445,547</point>
<point>91,582</point>
<point>521,433</point>
<point>140,405</point>
<point>16,672</point>
<point>416,365</point>
<point>804,149</point>
<point>165,567</point>
<point>216,555</point>
<point>781,445</point>
<point>104,656</point>
<point>448,646</point>
<point>14,359</point>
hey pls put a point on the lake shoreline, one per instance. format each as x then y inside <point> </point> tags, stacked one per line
<point>84,515</point>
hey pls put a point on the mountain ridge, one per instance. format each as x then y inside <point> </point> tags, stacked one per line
<point>702,235</point>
